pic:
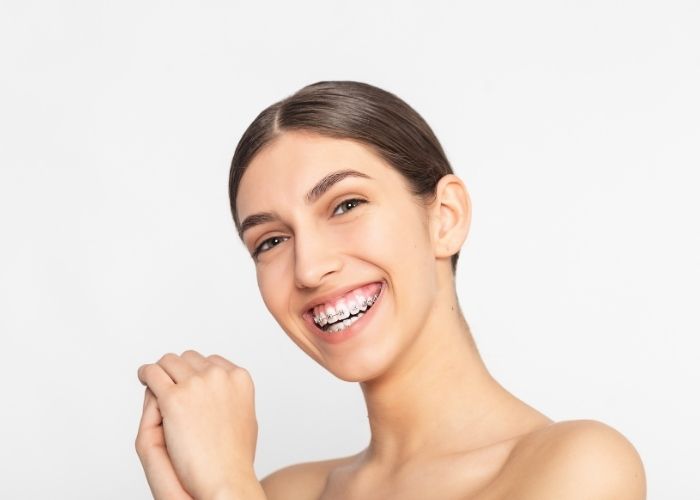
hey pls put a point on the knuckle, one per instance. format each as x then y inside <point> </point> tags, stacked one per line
<point>243,377</point>
<point>220,360</point>
<point>147,369</point>
<point>216,371</point>
<point>190,352</point>
<point>169,356</point>
<point>242,373</point>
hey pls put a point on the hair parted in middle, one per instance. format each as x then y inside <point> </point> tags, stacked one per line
<point>348,109</point>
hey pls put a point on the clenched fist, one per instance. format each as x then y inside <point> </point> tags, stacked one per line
<point>198,433</point>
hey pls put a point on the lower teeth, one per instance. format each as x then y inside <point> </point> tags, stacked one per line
<point>341,325</point>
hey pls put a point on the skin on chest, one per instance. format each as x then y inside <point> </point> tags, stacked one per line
<point>471,476</point>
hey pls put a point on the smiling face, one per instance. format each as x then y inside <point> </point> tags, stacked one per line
<point>362,233</point>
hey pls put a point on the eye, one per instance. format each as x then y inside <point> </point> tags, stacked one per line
<point>264,247</point>
<point>349,204</point>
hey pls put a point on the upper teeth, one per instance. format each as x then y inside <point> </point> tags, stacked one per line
<point>331,315</point>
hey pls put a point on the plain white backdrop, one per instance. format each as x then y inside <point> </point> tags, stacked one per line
<point>575,126</point>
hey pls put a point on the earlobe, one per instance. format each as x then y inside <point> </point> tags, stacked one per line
<point>451,217</point>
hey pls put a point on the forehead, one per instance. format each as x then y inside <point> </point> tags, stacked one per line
<point>285,169</point>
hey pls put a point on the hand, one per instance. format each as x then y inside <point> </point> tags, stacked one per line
<point>150,447</point>
<point>208,420</point>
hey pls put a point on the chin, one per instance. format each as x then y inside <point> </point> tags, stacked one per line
<point>358,368</point>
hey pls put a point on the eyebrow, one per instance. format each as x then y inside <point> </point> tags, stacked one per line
<point>312,196</point>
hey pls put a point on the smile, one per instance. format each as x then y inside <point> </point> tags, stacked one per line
<point>340,318</point>
<point>333,314</point>
<point>343,315</point>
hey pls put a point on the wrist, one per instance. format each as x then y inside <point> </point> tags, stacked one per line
<point>248,489</point>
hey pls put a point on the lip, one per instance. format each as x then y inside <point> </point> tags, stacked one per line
<point>352,330</point>
<point>330,296</point>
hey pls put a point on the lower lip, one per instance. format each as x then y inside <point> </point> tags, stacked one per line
<point>352,330</point>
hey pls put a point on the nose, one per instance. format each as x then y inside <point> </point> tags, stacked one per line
<point>314,259</point>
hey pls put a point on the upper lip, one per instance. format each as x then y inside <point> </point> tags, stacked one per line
<point>333,294</point>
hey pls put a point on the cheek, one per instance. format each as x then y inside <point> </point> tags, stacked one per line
<point>370,238</point>
<point>389,235</point>
<point>271,291</point>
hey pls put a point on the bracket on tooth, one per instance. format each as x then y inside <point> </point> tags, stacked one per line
<point>322,319</point>
<point>319,320</point>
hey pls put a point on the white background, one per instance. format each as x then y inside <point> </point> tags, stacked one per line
<point>575,125</point>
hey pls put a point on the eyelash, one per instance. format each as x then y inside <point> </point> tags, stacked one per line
<point>258,249</point>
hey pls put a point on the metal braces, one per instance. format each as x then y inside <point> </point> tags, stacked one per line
<point>370,300</point>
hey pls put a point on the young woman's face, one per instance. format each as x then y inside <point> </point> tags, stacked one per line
<point>362,236</point>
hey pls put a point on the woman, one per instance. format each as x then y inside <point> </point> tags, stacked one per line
<point>354,220</point>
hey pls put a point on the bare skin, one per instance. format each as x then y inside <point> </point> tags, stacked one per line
<point>441,426</point>
<point>538,465</point>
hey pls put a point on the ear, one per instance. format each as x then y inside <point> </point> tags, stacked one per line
<point>450,216</point>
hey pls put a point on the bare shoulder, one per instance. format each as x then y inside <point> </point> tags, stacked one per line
<point>576,459</point>
<point>302,481</point>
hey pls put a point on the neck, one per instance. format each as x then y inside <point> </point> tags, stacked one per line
<point>438,397</point>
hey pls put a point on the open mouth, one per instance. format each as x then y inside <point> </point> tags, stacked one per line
<point>340,314</point>
<point>344,322</point>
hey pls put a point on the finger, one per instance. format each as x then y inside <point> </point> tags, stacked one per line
<point>151,412</point>
<point>155,378</point>
<point>153,454</point>
<point>176,367</point>
<point>150,433</point>
<point>196,360</point>
<point>221,361</point>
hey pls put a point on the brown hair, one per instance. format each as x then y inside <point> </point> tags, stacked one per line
<point>351,110</point>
